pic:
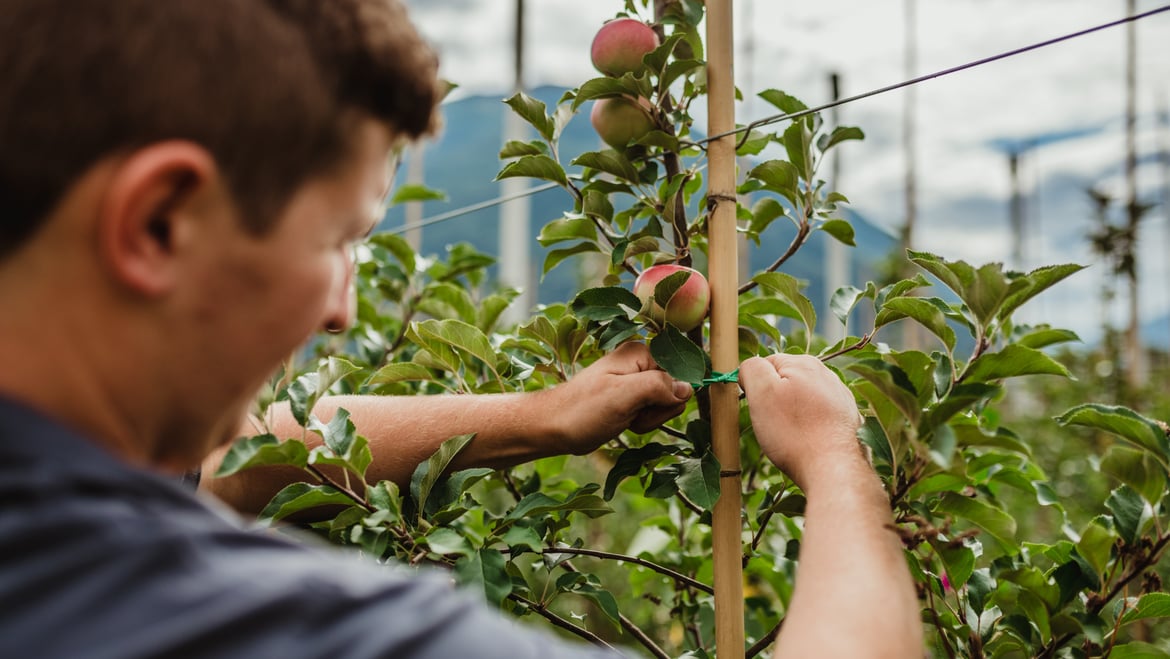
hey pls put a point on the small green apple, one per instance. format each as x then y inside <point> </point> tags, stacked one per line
<point>686,309</point>
<point>619,120</point>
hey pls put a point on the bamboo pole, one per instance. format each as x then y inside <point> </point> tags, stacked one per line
<point>727,527</point>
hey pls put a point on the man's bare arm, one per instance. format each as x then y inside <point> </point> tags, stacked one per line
<point>623,390</point>
<point>854,596</point>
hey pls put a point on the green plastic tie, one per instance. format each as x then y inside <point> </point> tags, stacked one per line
<point>717,378</point>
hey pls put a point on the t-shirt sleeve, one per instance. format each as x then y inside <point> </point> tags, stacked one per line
<point>123,591</point>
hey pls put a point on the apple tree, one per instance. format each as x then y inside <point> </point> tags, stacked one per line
<point>615,547</point>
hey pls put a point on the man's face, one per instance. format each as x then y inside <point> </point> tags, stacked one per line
<point>263,297</point>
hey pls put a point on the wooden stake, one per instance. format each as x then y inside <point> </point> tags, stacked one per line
<point>727,526</point>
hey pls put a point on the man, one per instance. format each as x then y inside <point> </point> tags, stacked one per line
<point>180,184</point>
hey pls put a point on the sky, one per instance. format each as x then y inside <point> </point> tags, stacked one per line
<point>1062,106</point>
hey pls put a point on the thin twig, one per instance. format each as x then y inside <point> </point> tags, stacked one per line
<point>677,576</point>
<point>861,343</point>
<point>326,479</point>
<point>558,621</point>
<point>801,235</point>
<point>628,625</point>
<point>765,640</point>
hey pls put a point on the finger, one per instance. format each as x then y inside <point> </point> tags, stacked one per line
<point>629,357</point>
<point>756,371</point>
<point>655,415</point>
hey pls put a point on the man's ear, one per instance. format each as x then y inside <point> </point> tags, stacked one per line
<point>151,194</point>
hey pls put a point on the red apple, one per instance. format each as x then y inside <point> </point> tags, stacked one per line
<point>619,120</point>
<point>620,44</point>
<point>686,308</point>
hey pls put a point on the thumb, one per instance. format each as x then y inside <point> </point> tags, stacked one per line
<point>754,372</point>
<point>654,387</point>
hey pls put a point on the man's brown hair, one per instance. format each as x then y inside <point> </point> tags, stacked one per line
<point>270,87</point>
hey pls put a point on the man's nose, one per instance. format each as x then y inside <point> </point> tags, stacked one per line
<point>343,303</point>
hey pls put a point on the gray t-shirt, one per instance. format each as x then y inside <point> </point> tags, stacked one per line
<point>101,560</point>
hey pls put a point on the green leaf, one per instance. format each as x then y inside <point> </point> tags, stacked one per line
<point>416,192</point>
<point>844,299</point>
<point>605,303</point>
<point>397,246</point>
<point>462,336</point>
<point>1151,605</point>
<point>939,267</point>
<point>787,288</point>
<point>533,111</point>
<point>997,523</point>
<point>699,480</point>
<point>798,144</point>
<point>872,435</point>
<point>262,450</point>
<point>1138,650</point>
<point>400,372</point>
<point>445,540</point>
<point>839,229</point>
<point>568,228</point>
<point>539,503</point>
<point>1130,512</point>
<point>522,537</point>
<point>385,496</point>
<point>778,176</point>
<point>541,167</point>
<point>922,311</point>
<point>444,299</point>
<point>557,256</point>
<point>668,286</point>
<point>1044,337</point>
<point>678,355</point>
<point>302,496</point>
<point>935,484</point>
<point>597,205</point>
<point>1137,469</point>
<point>427,473</point>
<point>603,599</point>
<point>899,289</point>
<point>343,447</point>
<point>1096,544</point>
<point>893,383</point>
<point>1123,422</point>
<point>306,390</point>
<point>959,563</point>
<point>839,134</point>
<point>630,462</point>
<point>517,148</point>
<point>608,161</point>
<point>606,87</point>
<point>1013,361</point>
<point>979,586</point>
<point>986,291</point>
<point>338,434</point>
<point>1037,281</point>
<point>448,491</point>
<point>783,102</point>
<point>485,569</point>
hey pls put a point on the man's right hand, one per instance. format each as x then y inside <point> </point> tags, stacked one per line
<point>804,416</point>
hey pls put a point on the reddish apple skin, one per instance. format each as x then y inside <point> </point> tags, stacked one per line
<point>687,309</point>
<point>620,45</point>
<point>619,120</point>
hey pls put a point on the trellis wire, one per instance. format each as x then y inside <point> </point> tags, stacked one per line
<point>489,203</point>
